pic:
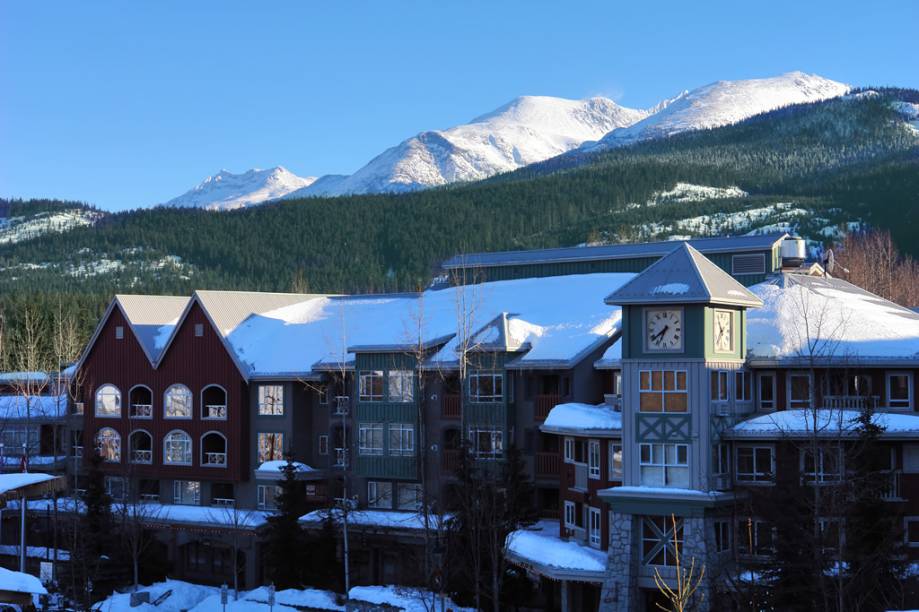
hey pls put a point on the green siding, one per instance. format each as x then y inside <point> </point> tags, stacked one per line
<point>386,412</point>
<point>381,466</point>
<point>693,333</point>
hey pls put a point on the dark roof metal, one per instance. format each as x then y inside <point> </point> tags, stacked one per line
<point>684,276</point>
<point>728,244</point>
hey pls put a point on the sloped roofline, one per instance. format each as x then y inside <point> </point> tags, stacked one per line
<point>102,321</point>
<point>497,259</point>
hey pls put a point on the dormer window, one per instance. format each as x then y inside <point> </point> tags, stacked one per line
<point>119,332</point>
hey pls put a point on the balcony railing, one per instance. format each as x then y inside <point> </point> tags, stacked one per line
<point>450,459</point>
<point>141,411</point>
<point>548,464</point>
<point>891,491</point>
<point>341,457</point>
<point>543,404</point>
<point>580,476</point>
<point>450,407</point>
<point>223,502</point>
<point>142,456</point>
<point>851,402</point>
<point>215,411</point>
<point>149,498</point>
<point>215,459</point>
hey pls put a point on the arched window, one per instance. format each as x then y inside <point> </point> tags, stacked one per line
<point>177,402</point>
<point>108,441</point>
<point>108,401</point>
<point>141,446</point>
<point>213,449</point>
<point>214,402</point>
<point>177,448</point>
<point>140,400</point>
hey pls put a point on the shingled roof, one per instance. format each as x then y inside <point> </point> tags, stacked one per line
<point>684,276</point>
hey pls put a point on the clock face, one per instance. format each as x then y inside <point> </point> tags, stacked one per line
<point>665,329</point>
<point>724,331</point>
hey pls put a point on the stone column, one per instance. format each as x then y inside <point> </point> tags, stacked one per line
<point>696,544</point>
<point>620,588</point>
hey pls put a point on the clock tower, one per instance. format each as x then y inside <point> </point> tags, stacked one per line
<point>683,382</point>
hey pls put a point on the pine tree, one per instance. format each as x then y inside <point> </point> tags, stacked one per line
<point>872,524</point>
<point>286,550</point>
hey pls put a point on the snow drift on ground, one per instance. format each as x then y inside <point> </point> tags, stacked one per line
<point>227,191</point>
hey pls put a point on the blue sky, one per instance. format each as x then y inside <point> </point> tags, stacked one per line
<point>129,104</point>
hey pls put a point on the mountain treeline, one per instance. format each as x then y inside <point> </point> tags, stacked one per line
<point>843,159</point>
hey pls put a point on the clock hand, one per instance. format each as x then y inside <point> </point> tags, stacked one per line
<point>660,334</point>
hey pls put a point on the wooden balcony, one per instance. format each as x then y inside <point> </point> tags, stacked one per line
<point>450,407</point>
<point>450,459</point>
<point>851,402</point>
<point>548,464</point>
<point>542,404</point>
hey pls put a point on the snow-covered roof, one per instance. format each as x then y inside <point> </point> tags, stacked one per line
<point>24,377</point>
<point>614,251</point>
<point>408,599</point>
<point>382,519</point>
<point>12,483</point>
<point>611,358</point>
<point>683,276</point>
<point>575,418</point>
<point>828,320</point>
<point>20,582</point>
<point>274,470</point>
<point>825,422</point>
<point>278,466</point>
<point>540,548</point>
<point>559,319</point>
<point>147,314</point>
<point>14,407</point>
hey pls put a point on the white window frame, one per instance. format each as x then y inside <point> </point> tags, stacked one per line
<point>374,494</point>
<point>723,385</point>
<point>819,475</point>
<point>266,496</point>
<point>723,534</point>
<point>365,392</point>
<point>271,400</point>
<point>593,459</point>
<point>110,485</point>
<point>401,386</point>
<point>741,389</point>
<point>408,496</point>
<point>570,517</point>
<point>132,450</point>
<point>497,442</point>
<point>759,391</point>
<point>906,521</point>
<point>403,434</point>
<point>615,473</point>
<point>277,444</point>
<point>569,450</point>
<point>743,538</point>
<point>911,458</point>
<point>168,403</point>
<point>794,404</point>
<point>497,387</point>
<point>196,492</point>
<point>909,388</point>
<point>367,435</point>
<point>659,461</point>
<point>116,444</point>
<point>594,526</point>
<point>187,442</point>
<point>109,387</point>
<point>757,476</point>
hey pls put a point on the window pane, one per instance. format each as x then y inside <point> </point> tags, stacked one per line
<point>676,402</point>
<point>651,401</point>
<point>656,383</point>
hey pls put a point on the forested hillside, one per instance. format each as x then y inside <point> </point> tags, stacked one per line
<point>813,168</point>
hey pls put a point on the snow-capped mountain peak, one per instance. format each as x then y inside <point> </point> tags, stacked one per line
<point>721,103</point>
<point>527,129</point>
<point>226,190</point>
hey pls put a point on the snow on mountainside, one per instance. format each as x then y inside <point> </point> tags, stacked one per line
<point>227,191</point>
<point>26,227</point>
<point>526,130</point>
<point>722,103</point>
